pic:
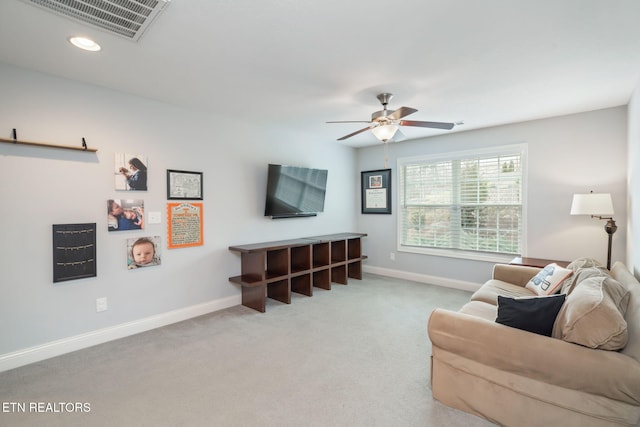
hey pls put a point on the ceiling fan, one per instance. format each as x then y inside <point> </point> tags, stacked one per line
<point>384,123</point>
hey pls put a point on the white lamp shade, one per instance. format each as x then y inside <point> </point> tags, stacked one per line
<point>597,204</point>
<point>385,132</point>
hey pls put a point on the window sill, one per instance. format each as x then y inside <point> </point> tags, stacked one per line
<point>450,253</point>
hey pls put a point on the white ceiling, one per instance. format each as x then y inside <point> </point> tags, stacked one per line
<point>299,63</point>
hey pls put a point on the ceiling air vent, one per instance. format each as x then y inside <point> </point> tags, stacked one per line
<point>126,18</point>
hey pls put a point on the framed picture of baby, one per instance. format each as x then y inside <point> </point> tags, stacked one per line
<point>130,172</point>
<point>125,214</point>
<point>143,252</point>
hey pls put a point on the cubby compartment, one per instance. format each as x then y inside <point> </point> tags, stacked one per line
<point>322,279</point>
<point>339,274</point>
<point>280,291</point>
<point>302,284</point>
<point>321,255</point>
<point>300,258</point>
<point>354,270</point>
<point>338,251</point>
<point>354,249</point>
<point>277,263</point>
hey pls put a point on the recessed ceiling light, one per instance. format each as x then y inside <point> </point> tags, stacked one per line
<point>85,43</point>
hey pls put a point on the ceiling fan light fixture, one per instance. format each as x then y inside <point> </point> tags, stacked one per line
<point>385,132</point>
<point>384,124</point>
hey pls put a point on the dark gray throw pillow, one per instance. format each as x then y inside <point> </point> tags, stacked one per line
<point>535,315</point>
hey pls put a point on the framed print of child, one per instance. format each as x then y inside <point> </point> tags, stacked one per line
<point>143,252</point>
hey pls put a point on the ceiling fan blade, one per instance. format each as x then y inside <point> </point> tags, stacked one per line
<point>401,112</point>
<point>355,133</point>
<point>435,125</point>
<point>351,121</point>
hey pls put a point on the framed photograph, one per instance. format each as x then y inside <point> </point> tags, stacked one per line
<point>130,172</point>
<point>143,252</point>
<point>74,251</point>
<point>125,214</point>
<point>184,225</point>
<point>376,191</point>
<point>184,185</point>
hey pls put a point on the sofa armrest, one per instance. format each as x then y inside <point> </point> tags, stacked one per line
<point>515,274</point>
<point>546,359</point>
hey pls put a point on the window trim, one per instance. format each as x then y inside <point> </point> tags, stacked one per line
<point>520,148</point>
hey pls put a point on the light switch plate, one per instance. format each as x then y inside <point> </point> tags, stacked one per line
<point>101,304</point>
<point>153,218</point>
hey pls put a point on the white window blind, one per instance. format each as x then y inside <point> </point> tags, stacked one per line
<point>466,201</point>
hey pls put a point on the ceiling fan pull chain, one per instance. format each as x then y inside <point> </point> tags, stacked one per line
<point>386,154</point>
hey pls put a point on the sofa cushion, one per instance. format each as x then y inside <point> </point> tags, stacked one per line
<point>480,309</point>
<point>622,274</point>
<point>535,315</point>
<point>593,315</point>
<point>583,263</point>
<point>581,274</point>
<point>492,288</point>
<point>549,280</point>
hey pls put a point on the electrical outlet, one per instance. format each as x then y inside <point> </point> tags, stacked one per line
<point>101,304</point>
<point>392,256</point>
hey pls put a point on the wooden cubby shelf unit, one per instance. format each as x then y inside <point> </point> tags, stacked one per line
<point>275,269</point>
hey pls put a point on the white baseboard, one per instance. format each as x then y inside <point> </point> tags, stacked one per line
<point>89,339</point>
<point>423,278</point>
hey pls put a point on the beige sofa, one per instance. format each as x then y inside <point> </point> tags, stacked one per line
<point>513,377</point>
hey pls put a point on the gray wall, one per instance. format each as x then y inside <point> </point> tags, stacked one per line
<point>566,155</point>
<point>43,186</point>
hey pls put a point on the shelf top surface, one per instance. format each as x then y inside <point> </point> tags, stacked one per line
<point>281,244</point>
<point>337,236</point>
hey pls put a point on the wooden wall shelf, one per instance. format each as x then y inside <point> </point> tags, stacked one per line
<point>44,144</point>
<point>275,269</point>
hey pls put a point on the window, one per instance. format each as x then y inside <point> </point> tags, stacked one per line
<point>467,204</point>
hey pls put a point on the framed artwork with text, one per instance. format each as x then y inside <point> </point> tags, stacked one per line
<point>184,185</point>
<point>376,191</point>
<point>184,225</point>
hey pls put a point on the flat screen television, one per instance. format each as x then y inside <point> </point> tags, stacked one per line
<point>294,191</point>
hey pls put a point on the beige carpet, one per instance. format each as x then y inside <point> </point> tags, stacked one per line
<point>357,355</point>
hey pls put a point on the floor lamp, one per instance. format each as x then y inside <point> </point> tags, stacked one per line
<point>598,205</point>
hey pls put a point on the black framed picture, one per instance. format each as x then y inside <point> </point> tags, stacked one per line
<point>74,251</point>
<point>376,191</point>
<point>184,185</point>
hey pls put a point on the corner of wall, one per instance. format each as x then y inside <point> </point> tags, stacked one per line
<point>633,183</point>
